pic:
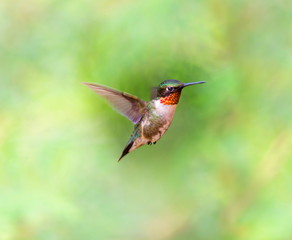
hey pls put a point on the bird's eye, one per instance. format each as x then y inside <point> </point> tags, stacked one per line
<point>169,88</point>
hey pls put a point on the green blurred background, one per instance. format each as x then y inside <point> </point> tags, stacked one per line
<point>222,171</point>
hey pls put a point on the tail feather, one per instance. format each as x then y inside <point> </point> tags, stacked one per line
<point>126,150</point>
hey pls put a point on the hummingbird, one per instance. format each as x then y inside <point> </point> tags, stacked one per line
<point>152,118</point>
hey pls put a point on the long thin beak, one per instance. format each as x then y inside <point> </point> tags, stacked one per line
<point>192,83</point>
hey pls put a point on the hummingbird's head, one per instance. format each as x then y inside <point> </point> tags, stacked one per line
<point>169,91</point>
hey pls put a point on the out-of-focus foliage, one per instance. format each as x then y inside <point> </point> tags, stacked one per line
<point>222,171</point>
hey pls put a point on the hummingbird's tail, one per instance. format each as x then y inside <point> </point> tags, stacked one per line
<point>126,150</point>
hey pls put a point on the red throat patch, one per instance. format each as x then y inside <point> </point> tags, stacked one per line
<point>171,99</point>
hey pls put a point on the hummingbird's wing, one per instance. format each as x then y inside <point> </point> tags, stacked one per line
<point>126,104</point>
<point>154,93</point>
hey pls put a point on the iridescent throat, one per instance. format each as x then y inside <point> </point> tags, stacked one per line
<point>171,99</point>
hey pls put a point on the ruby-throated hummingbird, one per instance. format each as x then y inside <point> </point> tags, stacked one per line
<point>151,118</point>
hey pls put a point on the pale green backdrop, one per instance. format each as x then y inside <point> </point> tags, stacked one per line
<point>222,171</point>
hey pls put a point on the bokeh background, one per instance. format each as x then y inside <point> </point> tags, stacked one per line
<point>222,171</point>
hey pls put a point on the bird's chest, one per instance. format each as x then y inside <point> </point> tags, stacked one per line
<point>164,111</point>
<point>157,121</point>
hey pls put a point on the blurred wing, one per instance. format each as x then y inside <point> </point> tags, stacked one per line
<point>154,93</point>
<point>128,105</point>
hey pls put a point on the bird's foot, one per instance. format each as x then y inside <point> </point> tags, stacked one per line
<point>149,143</point>
<point>154,143</point>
